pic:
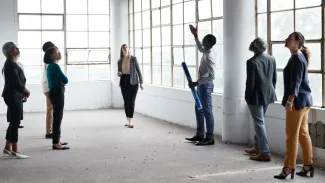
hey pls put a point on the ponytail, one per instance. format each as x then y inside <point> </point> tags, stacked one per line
<point>306,53</point>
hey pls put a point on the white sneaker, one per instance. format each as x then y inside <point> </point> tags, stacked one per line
<point>6,152</point>
<point>19,156</point>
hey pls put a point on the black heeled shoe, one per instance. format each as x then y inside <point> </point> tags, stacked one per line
<point>283,174</point>
<point>305,172</point>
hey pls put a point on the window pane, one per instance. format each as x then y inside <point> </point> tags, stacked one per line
<point>156,55</point>
<point>165,16</point>
<point>165,3</point>
<point>177,1</point>
<point>57,37</point>
<point>77,39</point>
<point>76,6</point>
<point>155,17</point>
<point>30,6</point>
<point>98,56</point>
<point>281,55</point>
<point>29,39</point>
<point>192,71</point>
<point>166,76</point>
<point>190,55</point>
<point>178,56</point>
<point>131,39</point>
<point>137,5</point>
<point>98,7</point>
<point>178,14</point>
<point>218,30</point>
<point>316,88</point>
<point>156,36</point>
<point>77,22</point>
<point>179,77</point>
<point>204,9</point>
<point>99,72</point>
<point>137,21</point>
<point>29,22</point>
<point>304,3</point>
<point>146,74</point>
<point>204,28</point>
<point>166,56</point>
<point>279,86</point>
<point>31,56</point>
<point>50,6</point>
<point>33,74</point>
<point>77,72</point>
<point>189,12</point>
<point>281,25</point>
<point>218,81</point>
<point>156,75</point>
<point>145,5</point>
<point>138,54</point>
<point>146,55</point>
<point>138,38</point>
<point>217,8</point>
<point>189,38</point>
<point>155,3</point>
<point>78,55</point>
<point>131,23</point>
<point>146,38</point>
<point>146,19</point>
<point>262,26</point>
<point>131,6</point>
<point>309,22</point>
<point>281,5</point>
<point>261,6</point>
<point>219,54</point>
<point>98,22</point>
<point>178,35</point>
<point>166,37</point>
<point>52,22</point>
<point>315,49</point>
<point>99,39</point>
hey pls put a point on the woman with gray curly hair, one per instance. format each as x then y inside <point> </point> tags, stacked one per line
<point>14,93</point>
<point>260,92</point>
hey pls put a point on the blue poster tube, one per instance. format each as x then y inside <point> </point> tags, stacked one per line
<point>194,91</point>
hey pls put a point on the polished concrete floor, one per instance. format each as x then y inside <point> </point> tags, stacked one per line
<point>103,150</point>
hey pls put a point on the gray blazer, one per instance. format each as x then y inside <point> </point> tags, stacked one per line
<point>135,71</point>
<point>261,80</point>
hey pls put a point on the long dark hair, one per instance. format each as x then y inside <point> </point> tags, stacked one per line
<point>299,37</point>
<point>48,56</point>
<point>121,52</point>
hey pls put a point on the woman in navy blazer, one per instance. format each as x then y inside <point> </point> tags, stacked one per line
<point>297,101</point>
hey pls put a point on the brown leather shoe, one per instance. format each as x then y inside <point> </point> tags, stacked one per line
<point>252,151</point>
<point>260,158</point>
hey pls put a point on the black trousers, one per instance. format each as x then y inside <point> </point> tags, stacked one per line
<point>14,114</point>
<point>129,93</point>
<point>56,96</point>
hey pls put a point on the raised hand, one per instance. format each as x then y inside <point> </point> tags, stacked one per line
<point>193,30</point>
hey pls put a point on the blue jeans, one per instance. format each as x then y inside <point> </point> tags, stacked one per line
<point>204,92</point>
<point>260,138</point>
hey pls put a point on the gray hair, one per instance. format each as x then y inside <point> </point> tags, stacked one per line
<point>7,48</point>
<point>258,45</point>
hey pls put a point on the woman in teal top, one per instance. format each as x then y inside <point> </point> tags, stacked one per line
<point>56,81</point>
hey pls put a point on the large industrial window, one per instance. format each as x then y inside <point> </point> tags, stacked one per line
<point>161,40</point>
<point>276,19</point>
<point>80,29</point>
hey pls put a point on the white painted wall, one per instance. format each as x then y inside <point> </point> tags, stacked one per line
<point>79,95</point>
<point>177,106</point>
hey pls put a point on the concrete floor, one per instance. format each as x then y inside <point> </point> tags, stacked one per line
<point>103,150</point>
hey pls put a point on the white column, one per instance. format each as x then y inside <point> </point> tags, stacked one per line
<point>8,32</point>
<point>119,36</point>
<point>239,31</point>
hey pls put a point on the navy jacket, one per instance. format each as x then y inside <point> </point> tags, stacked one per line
<point>295,79</point>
